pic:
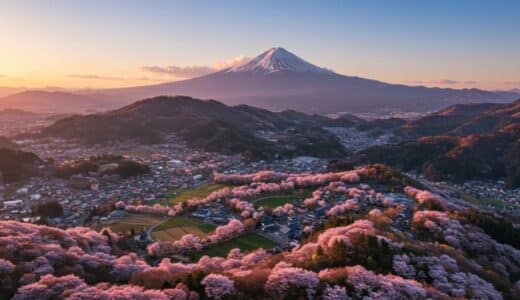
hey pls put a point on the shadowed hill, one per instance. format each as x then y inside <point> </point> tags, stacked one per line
<point>209,125</point>
<point>17,165</point>
<point>7,143</point>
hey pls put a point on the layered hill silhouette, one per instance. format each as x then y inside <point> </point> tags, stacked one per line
<point>457,143</point>
<point>209,125</point>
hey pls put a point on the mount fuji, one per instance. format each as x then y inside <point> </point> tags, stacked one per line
<point>279,80</point>
<point>276,60</point>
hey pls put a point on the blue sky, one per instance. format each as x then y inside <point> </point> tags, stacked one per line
<point>107,43</point>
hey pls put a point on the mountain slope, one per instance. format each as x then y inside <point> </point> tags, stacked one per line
<point>209,125</point>
<point>279,80</point>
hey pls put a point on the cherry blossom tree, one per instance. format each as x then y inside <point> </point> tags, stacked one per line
<point>218,286</point>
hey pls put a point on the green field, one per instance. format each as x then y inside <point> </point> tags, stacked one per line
<point>247,242</point>
<point>198,192</point>
<point>274,201</point>
<point>174,228</point>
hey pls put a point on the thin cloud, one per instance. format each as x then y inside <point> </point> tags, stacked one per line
<point>442,82</point>
<point>446,81</point>
<point>181,72</point>
<point>94,77</point>
<point>146,78</point>
<point>416,82</point>
<point>224,64</point>
<point>512,82</point>
<point>195,71</point>
<point>3,75</point>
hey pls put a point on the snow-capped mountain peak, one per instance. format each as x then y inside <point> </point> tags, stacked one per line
<point>275,60</point>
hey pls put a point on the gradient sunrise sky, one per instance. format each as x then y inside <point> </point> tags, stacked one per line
<point>82,44</point>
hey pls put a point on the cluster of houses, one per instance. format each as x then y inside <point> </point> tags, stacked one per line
<point>356,140</point>
<point>509,198</point>
<point>214,212</point>
<point>172,166</point>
